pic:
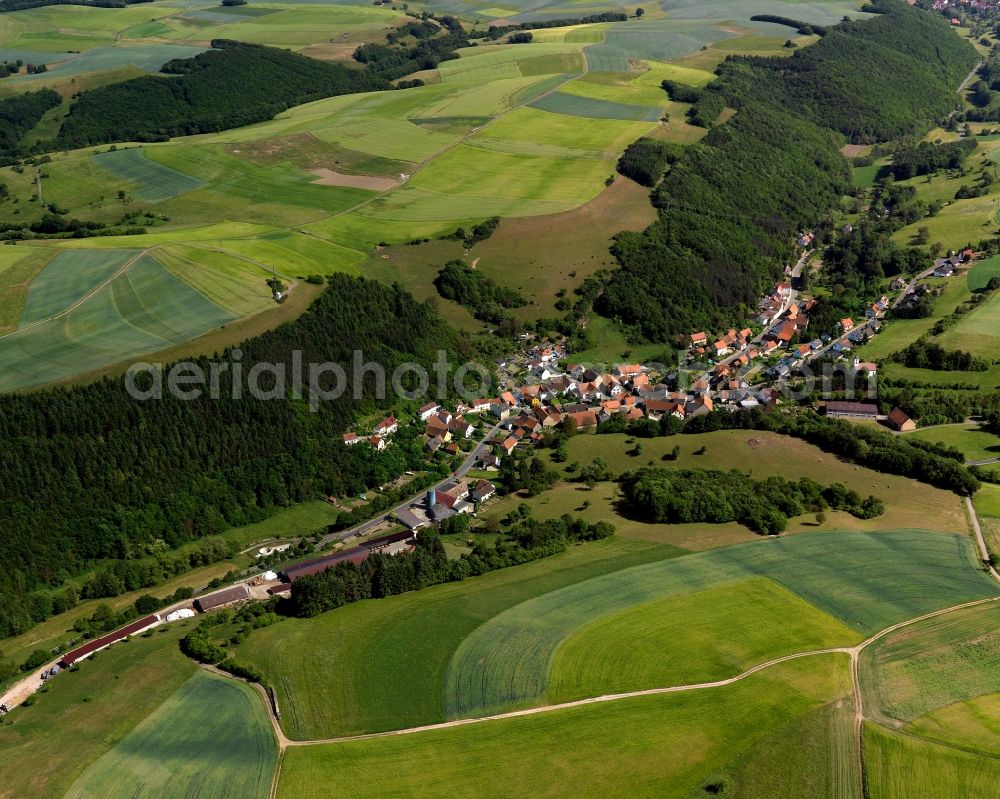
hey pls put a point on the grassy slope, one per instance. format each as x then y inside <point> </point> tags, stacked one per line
<point>662,745</point>
<point>932,665</point>
<point>971,724</point>
<point>897,763</point>
<point>18,268</point>
<point>142,310</point>
<point>538,256</point>
<point>814,755</point>
<point>390,656</point>
<point>868,581</point>
<point>212,737</point>
<point>974,442</point>
<point>705,635</point>
<point>84,714</point>
<point>248,192</point>
<point>910,503</point>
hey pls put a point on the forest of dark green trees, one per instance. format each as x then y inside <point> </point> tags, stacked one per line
<point>90,473</point>
<point>731,207</point>
<point>20,113</point>
<point>231,85</point>
<point>682,496</point>
<point>489,302</point>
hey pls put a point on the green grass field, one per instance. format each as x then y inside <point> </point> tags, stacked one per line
<point>705,635</point>
<point>932,665</point>
<point>236,284</point>
<point>898,333</point>
<point>896,764</point>
<point>974,442</point>
<point>866,581</point>
<point>981,273</point>
<point>978,331</point>
<point>368,644</point>
<point>142,310</point>
<point>971,724</point>
<point>153,181</point>
<point>18,268</point>
<point>594,108</point>
<point>212,737</point>
<point>668,745</point>
<point>813,755</point>
<point>68,279</point>
<point>988,500</point>
<point>84,714</point>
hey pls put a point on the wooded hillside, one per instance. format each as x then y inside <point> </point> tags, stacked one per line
<point>90,473</point>
<point>233,84</point>
<point>731,207</point>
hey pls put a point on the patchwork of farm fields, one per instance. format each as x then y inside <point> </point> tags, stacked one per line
<point>367,643</point>
<point>133,307</point>
<point>521,637</point>
<point>507,662</point>
<point>505,130</point>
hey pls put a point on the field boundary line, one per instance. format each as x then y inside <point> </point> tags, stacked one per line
<point>419,166</point>
<point>593,700</point>
<point>853,651</point>
<point>103,284</point>
<point>934,742</point>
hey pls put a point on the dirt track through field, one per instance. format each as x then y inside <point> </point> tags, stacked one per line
<point>853,651</point>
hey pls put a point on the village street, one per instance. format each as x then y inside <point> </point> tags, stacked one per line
<point>361,529</point>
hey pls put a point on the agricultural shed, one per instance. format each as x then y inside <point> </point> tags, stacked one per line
<point>222,598</point>
<point>97,644</point>
<point>357,555</point>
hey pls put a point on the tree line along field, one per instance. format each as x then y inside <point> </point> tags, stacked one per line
<point>975,442</point>
<point>533,130</point>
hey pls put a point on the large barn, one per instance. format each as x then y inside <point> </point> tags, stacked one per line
<point>220,599</point>
<point>97,644</point>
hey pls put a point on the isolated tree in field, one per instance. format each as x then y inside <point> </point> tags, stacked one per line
<point>639,12</point>
<point>821,518</point>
